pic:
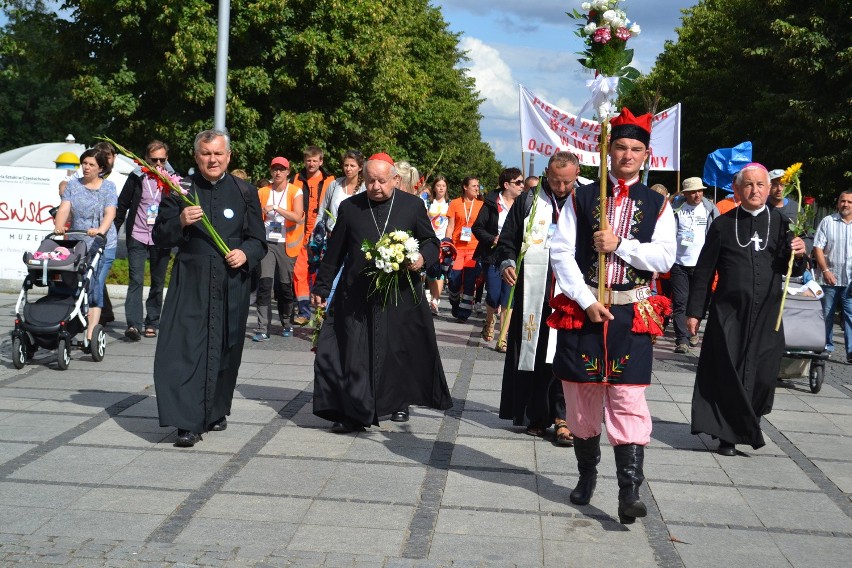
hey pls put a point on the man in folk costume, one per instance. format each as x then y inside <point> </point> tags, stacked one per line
<point>749,247</point>
<point>530,395</point>
<point>603,350</point>
<point>374,358</point>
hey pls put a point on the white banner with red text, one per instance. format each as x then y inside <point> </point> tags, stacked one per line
<point>546,129</point>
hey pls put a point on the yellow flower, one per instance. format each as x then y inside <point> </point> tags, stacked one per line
<point>368,256</point>
<point>791,173</point>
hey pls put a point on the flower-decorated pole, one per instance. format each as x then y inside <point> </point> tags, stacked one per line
<point>605,29</point>
<point>171,184</point>
<point>791,177</point>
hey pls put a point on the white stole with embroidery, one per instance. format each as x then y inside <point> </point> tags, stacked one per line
<point>535,264</point>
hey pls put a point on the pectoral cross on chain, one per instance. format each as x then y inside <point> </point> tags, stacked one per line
<point>531,327</point>
<point>757,241</point>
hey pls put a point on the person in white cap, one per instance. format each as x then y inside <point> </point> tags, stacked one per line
<point>787,206</point>
<point>693,215</point>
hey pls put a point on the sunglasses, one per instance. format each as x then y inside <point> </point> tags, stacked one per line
<point>158,160</point>
<point>517,182</point>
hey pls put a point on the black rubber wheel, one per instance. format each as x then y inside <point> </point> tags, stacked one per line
<point>19,353</point>
<point>98,343</point>
<point>63,354</point>
<point>816,376</point>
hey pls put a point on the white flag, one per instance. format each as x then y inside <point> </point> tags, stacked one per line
<point>546,129</point>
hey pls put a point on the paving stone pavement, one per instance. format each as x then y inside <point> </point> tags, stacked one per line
<point>89,478</point>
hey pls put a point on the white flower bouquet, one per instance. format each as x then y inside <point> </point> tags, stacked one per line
<point>388,260</point>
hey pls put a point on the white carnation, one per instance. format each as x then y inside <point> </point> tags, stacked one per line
<point>590,28</point>
<point>635,29</point>
<point>609,16</point>
<point>586,6</point>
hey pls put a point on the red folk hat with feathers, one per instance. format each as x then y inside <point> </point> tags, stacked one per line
<point>625,125</point>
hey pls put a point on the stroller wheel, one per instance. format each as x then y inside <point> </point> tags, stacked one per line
<point>816,375</point>
<point>19,353</point>
<point>98,344</point>
<point>63,354</point>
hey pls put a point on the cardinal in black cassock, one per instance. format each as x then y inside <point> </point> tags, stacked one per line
<point>749,247</point>
<point>374,359</point>
<point>204,314</point>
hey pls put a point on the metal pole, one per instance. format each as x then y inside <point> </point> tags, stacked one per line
<point>222,64</point>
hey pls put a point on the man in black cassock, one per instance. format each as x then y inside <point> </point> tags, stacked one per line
<point>204,315</point>
<point>749,247</point>
<point>373,359</point>
<point>531,396</point>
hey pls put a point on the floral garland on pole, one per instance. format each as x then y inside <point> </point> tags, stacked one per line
<point>605,29</point>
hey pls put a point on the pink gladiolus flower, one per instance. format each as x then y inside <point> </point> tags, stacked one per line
<point>622,33</point>
<point>602,35</point>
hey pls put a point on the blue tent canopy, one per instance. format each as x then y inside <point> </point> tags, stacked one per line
<point>724,163</point>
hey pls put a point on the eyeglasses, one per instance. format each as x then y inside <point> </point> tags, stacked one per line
<point>517,182</point>
<point>158,160</point>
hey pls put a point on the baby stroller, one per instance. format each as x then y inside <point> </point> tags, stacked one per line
<point>804,338</point>
<point>64,265</point>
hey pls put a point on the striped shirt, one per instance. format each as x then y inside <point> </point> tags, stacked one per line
<point>834,237</point>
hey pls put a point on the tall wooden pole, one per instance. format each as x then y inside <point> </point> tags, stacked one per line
<point>604,220</point>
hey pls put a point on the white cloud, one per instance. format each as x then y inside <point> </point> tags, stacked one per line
<point>493,77</point>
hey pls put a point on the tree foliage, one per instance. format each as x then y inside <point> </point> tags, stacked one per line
<point>776,72</point>
<point>339,74</point>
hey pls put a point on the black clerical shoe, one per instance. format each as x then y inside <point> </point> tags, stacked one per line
<point>400,416</point>
<point>219,425</point>
<point>186,439</point>
<point>726,449</point>
<point>345,428</point>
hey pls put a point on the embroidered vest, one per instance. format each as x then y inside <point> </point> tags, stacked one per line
<point>637,221</point>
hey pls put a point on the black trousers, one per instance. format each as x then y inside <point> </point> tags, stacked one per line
<point>681,279</point>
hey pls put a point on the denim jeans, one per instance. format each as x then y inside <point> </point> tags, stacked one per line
<point>98,280</point>
<point>497,291</point>
<point>137,253</point>
<point>837,295</point>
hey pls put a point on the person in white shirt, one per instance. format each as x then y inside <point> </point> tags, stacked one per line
<point>693,215</point>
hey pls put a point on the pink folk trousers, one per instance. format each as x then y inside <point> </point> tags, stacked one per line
<point>628,420</point>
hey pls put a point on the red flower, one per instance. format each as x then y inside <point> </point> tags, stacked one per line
<point>809,200</point>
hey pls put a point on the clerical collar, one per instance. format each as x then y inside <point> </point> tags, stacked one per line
<point>754,213</point>
<point>214,182</point>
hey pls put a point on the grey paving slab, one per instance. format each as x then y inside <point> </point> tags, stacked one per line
<point>130,431</point>
<point>390,447</point>
<point>489,489</point>
<point>477,423</point>
<point>492,453</point>
<point>19,520</point>
<point>101,524</point>
<point>703,504</point>
<point>584,542</point>
<point>78,464</point>
<point>488,400</point>
<point>266,508</point>
<point>39,495</point>
<point>766,471</point>
<point>816,446</point>
<point>842,421</point>
<point>169,469</point>
<point>803,551</point>
<point>342,514</point>
<point>705,547</point>
<point>794,421</point>
<point>237,532</point>
<point>9,450</point>
<point>488,523</point>
<point>268,475</point>
<point>840,473</point>
<point>793,510</point>
<point>487,549</point>
<point>130,500</point>
<point>309,442</point>
<point>27,427</point>
<point>359,540</point>
<point>375,482</point>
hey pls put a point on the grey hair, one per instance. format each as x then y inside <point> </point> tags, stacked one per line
<point>738,177</point>
<point>210,135</point>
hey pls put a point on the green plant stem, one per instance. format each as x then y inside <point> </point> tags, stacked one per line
<point>789,262</point>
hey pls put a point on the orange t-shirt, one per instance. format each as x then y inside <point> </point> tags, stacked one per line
<point>463,214</point>
<point>726,205</point>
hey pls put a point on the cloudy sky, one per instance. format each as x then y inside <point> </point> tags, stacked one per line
<point>532,42</point>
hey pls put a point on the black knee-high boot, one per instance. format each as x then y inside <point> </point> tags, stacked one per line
<point>588,454</point>
<point>628,467</point>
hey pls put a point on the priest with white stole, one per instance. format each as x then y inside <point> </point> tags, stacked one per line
<point>530,395</point>
<point>603,350</point>
<point>749,247</point>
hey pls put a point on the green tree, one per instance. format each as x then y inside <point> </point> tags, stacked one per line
<point>775,72</point>
<point>336,73</point>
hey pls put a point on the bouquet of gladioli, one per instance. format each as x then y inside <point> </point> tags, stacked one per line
<point>171,183</point>
<point>388,260</point>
